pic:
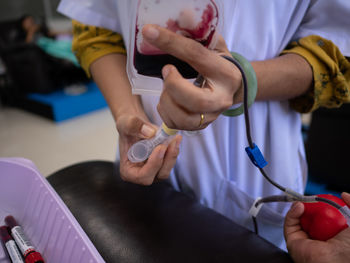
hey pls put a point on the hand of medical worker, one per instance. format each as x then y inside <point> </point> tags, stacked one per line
<point>182,105</point>
<point>304,249</point>
<point>131,121</point>
<point>132,128</point>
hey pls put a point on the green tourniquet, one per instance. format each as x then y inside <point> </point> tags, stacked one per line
<point>252,84</point>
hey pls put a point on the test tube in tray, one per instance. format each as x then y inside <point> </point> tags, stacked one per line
<point>45,219</point>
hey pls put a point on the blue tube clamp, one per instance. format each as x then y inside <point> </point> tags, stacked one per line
<point>256,156</point>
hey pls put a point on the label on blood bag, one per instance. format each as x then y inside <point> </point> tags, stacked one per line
<point>22,241</point>
<point>14,253</point>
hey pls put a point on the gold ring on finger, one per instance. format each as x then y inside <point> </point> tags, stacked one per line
<point>202,120</point>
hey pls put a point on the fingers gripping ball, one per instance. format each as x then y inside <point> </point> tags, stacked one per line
<point>322,221</point>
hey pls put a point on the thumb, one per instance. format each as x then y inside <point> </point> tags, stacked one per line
<point>170,71</point>
<point>183,48</point>
<point>294,214</point>
<point>346,198</point>
<point>135,126</point>
<point>147,130</point>
<point>292,227</point>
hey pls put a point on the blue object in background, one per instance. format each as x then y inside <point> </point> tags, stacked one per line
<point>314,188</point>
<point>65,104</point>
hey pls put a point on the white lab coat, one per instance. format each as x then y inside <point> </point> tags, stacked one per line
<point>212,165</point>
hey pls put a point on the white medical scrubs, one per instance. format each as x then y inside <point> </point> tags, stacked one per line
<point>212,165</point>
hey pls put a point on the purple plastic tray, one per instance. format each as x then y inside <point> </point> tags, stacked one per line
<point>26,194</point>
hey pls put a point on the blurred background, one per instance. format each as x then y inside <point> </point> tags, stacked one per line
<point>53,115</point>
<point>50,112</point>
<point>14,9</point>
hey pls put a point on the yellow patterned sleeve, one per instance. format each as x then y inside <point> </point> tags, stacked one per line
<point>331,74</point>
<point>91,43</point>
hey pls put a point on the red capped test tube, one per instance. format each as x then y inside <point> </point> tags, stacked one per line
<point>10,245</point>
<point>25,246</point>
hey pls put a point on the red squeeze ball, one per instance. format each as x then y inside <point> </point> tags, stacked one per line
<point>322,221</point>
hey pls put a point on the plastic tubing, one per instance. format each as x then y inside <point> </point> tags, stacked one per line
<point>141,150</point>
<point>250,89</point>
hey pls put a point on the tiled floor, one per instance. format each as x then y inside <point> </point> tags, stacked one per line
<point>53,146</point>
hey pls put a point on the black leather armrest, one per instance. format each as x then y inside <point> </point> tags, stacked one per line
<point>132,223</point>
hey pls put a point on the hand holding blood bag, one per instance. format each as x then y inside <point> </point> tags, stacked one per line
<point>196,19</point>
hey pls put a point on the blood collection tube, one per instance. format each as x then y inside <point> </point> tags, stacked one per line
<point>141,150</point>
<point>10,245</point>
<point>24,244</point>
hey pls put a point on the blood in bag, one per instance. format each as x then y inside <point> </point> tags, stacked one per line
<point>195,19</point>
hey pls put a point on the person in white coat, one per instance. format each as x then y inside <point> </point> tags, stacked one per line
<point>212,166</point>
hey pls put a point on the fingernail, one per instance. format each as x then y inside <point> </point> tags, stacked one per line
<point>161,153</point>
<point>165,71</point>
<point>147,130</point>
<point>295,207</point>
<point>150,32</point>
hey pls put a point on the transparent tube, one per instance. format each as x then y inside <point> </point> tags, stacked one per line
<point>141,150</point>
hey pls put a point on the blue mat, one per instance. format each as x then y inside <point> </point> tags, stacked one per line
<point>64,106</point>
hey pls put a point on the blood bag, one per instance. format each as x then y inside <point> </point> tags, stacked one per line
<point>195,19</point>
